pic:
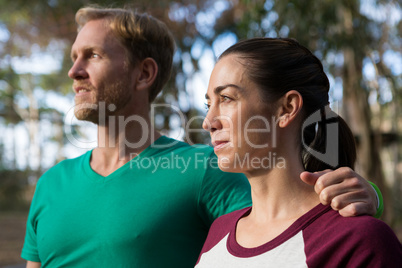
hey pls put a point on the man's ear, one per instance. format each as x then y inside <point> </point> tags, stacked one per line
<point>290,106</point>
<point>148,69</point>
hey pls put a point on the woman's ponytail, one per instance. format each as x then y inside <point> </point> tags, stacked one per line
<point>315,137</point>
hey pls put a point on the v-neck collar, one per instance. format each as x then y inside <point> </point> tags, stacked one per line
<point>147,152</point>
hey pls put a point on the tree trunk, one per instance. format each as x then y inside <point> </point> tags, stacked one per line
<point>356,110</point>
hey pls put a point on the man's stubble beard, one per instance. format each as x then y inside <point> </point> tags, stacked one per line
<point>111,99</point>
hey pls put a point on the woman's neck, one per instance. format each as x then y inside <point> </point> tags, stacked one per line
<point>280,197</point>
<point>281,194</point>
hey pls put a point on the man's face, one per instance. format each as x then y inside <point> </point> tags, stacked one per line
<point>100,71</point>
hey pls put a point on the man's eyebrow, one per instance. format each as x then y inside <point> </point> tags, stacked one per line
<point>87,49</point>
<point>217,90</point>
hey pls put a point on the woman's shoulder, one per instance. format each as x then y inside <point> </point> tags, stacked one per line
<point>225,223</point>
<point>221,227</point>
<point>360,225</point>
<point>351,241</point>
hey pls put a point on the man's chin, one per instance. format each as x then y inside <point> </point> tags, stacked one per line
<point>90,117</point>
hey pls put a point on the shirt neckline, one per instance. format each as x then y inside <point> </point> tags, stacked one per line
<point>161,142</point>
<point>301,223</point>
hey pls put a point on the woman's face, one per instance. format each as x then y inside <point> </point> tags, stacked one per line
<point>241,125</point>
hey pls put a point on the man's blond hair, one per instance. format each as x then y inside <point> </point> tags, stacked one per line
<point>142,35</point>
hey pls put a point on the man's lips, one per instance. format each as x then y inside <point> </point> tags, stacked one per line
<point>80,90</point>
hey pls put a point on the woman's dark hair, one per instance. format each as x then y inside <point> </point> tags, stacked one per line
<point>278,65</point>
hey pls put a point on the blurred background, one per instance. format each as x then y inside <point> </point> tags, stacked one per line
<point>359,43</point>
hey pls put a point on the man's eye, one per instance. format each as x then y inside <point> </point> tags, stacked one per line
<point>207,106</point>
<point>94,55</point>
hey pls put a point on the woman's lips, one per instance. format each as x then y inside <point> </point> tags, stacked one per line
<point>219,145</point>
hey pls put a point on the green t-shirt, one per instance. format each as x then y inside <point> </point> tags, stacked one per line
<point>155,211</point>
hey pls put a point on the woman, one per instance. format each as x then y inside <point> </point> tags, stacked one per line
<point>264,96</point>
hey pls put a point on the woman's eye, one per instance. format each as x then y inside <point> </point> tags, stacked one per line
<point>225,98</point>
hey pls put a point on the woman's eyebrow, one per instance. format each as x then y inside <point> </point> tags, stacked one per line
<point>218,89</point>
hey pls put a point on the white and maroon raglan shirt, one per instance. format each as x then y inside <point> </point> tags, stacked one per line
<point>320,238</point>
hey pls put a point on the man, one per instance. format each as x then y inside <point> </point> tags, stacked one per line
<point>139,199</point>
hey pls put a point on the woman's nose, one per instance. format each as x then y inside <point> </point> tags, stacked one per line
<point>211,122</point>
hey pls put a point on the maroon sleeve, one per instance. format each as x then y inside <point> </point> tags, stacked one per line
<point>334,241</point>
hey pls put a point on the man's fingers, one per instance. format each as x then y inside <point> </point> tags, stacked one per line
<point>344,190</point>
<point>310,178</point>
<point>336,177</point>
<point>342,200</point>
<point>357,208</point>
<point>342,194</point>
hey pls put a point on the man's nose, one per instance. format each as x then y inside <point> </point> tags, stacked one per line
<point>77,71</point>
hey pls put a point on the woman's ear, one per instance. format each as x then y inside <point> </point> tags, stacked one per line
<point>290,106</point>
<point>148,71</point>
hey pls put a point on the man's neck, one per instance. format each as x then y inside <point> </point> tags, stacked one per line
<point>119,142</point>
